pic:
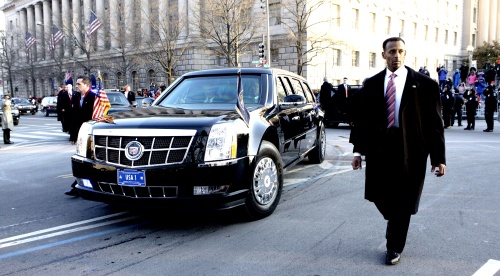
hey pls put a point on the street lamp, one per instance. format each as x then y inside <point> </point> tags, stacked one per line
<point>268,34</point>
<point>470,49</point>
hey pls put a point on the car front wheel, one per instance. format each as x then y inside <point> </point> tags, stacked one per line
<point>317,155</point>
<point>266,183</point>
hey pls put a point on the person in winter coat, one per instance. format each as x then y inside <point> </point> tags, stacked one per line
<point>397,136</point>
<point>457,109</point>
<point>471,105</point>
<point>7,120</point>
<point>448,103</point>
<point>456,78</point>
<point>442,73</point>
<point>481,85</point>
<point>490,107</point>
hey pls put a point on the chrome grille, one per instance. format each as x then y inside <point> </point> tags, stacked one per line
<point>158,150</point>
<point>138,192</point>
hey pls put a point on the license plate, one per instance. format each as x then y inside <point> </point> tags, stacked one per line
<point>131,178</point>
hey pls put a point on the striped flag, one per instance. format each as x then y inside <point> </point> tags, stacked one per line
<point>94,24</point>
<point>101,105</point>
<point>56,36</point>
<point>29,41</point>
<point>240,106</point>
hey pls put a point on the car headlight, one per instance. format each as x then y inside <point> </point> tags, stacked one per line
<point>221,143</point>
<point>83,140</point>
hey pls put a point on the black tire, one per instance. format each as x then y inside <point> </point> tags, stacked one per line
<point>317,155</point>
<point>266,183</point>
<point>47,113</point>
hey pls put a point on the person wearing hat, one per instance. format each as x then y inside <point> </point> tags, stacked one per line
<point>7,121</point>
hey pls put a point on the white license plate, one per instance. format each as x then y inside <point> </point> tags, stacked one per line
<point>131,178</point>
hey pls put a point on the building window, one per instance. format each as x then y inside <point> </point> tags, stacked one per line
<point>387,25</point>
<point>445,36</point>
<point>152,77</point>
<point>436,35</point>
<point>274,54</point>
<point>455,38</point>
<point>474,16</point>
<point>336,15</point>
<point>355,19</point>
<point>274,13</point>
<point>372,58</point>
<point>402,28</point>
<point>105,80</point>
<point>414,30</point>
<point>120,79</point>
<point>135,80</point>
<point>426,33</point>
<point>373,21</point>
<point>336,57</point>
<point>473,40</point>
<point>355,58</point>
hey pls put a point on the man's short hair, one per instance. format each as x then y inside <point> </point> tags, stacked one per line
<point>85,79</point>
<point>395,38</point>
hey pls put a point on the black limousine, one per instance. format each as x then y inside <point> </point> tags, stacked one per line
<point>216,139</point>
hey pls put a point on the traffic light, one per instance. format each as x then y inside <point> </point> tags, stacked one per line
<point>261,50</point>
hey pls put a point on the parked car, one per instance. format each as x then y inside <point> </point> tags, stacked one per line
<point>338,110</point>
<point>24,106</point>
<point>144,101</point>
<point>193,149</point>
<point>118,101</point>
<point>49,105</point>
<point>15,113</point>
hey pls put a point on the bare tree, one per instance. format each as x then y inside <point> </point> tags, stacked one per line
<point>297,19</point>
<point>165,42</point>
<point>229,26</point>
<point>7,59</point>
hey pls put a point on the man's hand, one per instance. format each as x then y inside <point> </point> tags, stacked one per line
<point>356,163</point>
<point>439,170</point>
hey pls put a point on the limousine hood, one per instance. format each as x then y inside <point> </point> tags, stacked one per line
<point>161,117</point>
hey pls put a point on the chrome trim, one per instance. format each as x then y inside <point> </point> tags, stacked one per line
<point>147,132</point>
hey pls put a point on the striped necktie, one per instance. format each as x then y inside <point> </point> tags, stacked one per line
<point>390,97</point>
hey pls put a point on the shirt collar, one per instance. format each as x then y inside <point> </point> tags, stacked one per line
<point>401,72</point>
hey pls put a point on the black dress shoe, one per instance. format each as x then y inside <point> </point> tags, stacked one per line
<point>72,192</point>
<point>391,257</point>
<point>488,130</point>
<point>467,128</point>
<point>7,143</point>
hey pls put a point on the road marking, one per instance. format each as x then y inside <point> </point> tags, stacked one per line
<point>27,235</point>
<point>489,268</point>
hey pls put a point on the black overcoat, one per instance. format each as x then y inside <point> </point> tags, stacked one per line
<point>423,136</point>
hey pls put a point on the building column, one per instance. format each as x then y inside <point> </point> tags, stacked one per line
<point>47,24</point>
<point>30,26</point>
<point>23,23</point>
<point>145,25</point>
<point>484,21</point>
<point>114,26</point>
<point>57,21</point>
<point>67,25</point>
<point>102,30</point>
<point>78,30</point>
<point>493,19</point>
<point>39,35</point>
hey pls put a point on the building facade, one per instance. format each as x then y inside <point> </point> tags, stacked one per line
<point>436,32</point>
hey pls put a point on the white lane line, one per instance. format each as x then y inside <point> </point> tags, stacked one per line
<point>489,268</point>
<point>17,242</point>
<point>59,227</point>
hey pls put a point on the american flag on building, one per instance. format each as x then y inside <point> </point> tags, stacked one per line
<point>29,41</point>
<point>94,24</point>
<point>56,36</point>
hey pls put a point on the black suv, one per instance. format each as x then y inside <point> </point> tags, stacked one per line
<point>202,146</point>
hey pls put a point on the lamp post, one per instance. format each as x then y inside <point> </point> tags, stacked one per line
<point>470,49</point>
<point>268,34</point>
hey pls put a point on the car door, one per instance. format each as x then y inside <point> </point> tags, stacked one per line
<point>287,117</point>
<point>306,129</point>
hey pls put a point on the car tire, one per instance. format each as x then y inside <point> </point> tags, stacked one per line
<point>266,183</point>
<point>47,113</point>
<point>317,155</point>
<point>16,122</point>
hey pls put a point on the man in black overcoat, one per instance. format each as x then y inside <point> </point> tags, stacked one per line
<point>396,156</point>
<point>64,108</point>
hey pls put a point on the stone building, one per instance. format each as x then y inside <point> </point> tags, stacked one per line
<point>350,34</point>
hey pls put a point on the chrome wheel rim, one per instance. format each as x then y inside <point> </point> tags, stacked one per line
<point>265,181</point>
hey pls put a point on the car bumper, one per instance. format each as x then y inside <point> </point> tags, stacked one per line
<point>166,187</point>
